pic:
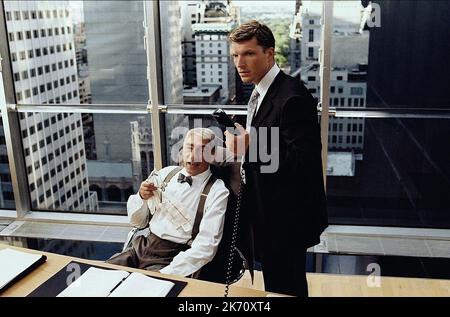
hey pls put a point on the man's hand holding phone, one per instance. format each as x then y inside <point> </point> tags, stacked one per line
<point>146,190</point>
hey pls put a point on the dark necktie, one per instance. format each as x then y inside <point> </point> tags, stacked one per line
<point>185,179</point>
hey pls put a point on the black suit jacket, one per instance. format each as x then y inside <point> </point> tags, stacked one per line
<point>289,205</point>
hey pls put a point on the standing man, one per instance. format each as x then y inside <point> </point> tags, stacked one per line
<point>287,207</point>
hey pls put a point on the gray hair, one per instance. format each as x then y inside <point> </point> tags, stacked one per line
<point>204,133</point>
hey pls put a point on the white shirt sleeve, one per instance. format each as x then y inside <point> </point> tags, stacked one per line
<point>138,212</point>
<point>204,246</point>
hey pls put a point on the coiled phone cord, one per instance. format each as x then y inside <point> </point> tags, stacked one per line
<point>234,236</point>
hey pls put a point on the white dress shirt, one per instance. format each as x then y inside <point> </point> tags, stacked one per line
<point>263,86</point>
<point>173,218</point>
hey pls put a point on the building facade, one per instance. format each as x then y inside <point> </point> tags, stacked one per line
<point>44,68</point>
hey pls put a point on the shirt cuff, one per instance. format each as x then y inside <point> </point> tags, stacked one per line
<point>166,270</point>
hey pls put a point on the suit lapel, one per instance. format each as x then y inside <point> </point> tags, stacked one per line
<point>266,105</point>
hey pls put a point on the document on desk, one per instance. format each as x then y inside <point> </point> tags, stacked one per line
<point>115,283</point>
<point>15,264</point>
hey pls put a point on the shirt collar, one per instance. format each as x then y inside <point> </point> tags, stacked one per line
<point>198,179</point>
<point>264,85</point>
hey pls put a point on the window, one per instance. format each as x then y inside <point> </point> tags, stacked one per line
<point>311,52</point>
<point>332,89</point>
<point>339,78</point>
<point>311,35</point>
<point>8,16</point>
<point>11,36</point>
<point>17,15</point>
<point>30,54</point>
<point>356,90</point>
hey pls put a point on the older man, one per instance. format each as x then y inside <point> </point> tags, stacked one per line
<point>184,208</point>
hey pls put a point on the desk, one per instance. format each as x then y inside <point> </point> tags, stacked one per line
<point>56,262</point>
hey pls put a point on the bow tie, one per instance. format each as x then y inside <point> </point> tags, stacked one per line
<point>185,179</point>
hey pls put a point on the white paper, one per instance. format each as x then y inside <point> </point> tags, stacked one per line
<point>13,262</point>
<point>94,283</point>
<point>140,285</point>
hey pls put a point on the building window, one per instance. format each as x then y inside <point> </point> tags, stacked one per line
<point>339,78</point>
<point>311,35</point>
<point>311,78</point>
<point>356,90</point>
<point>311,52</point>
<point>332,89</point>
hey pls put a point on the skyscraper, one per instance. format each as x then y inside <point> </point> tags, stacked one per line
<point>43,62</point>
<point>117,60</point>
<point>206,25</point>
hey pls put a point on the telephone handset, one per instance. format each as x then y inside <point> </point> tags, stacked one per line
<point>225,121</point>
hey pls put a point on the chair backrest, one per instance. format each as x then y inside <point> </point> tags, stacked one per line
<point>216,270</point>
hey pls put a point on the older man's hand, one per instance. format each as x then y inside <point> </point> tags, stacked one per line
<point>237,144</point>
<point>146,190</point>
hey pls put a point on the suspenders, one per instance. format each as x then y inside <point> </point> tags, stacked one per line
<point>201,204</point>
